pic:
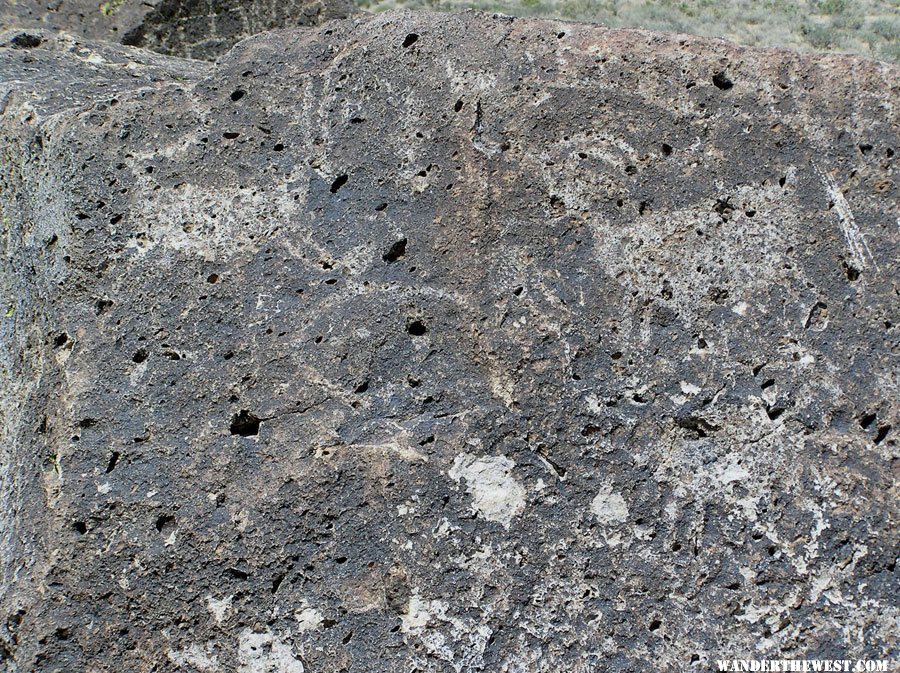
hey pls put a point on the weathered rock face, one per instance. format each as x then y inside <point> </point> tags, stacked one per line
<point>447,343</point>
<point>202,29</point>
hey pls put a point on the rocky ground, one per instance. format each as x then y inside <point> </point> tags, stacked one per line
<point>421,342</point>
<point>867,27</point>
<point>198,29</point>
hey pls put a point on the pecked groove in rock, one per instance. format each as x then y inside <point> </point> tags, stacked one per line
<point>447,343</point>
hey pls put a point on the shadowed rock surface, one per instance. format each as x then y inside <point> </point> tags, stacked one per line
<point>201,29</point>
<point>447,343</point>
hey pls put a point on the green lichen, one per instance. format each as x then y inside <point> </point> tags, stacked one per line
<point>54,461</point>
<point>111,7</point>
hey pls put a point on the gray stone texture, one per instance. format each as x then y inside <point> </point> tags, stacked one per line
<point>452,343</point>
<point>200,29</point>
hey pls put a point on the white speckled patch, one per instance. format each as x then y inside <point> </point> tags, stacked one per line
<point>308,619</point>
<point>219,608</point>
<point>609,507</point>
<point>265,653</point>
<point>495,494</point>
<point>196,658</point>
<point>416,616</point>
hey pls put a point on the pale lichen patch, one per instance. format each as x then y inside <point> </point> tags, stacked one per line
<point>219,607</point>
<point>416,616</point>
<point>308,619</point>
<point>496,495</point>
<point>195,657</point>
<point>609,507</point>
<point>265,653</point>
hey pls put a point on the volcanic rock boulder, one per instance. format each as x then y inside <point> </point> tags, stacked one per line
<point>202,29</point>
<point>447,343</point>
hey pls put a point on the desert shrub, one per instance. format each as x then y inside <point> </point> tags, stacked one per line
<point>890,51</point>
<point>832,6</point>
<point>887,29</point>
<point>820,36</point>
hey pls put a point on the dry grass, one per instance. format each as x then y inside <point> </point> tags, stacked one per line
<point>868,27</point>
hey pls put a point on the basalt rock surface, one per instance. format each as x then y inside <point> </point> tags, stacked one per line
<point>446,343</point>
<point>200,29</point>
